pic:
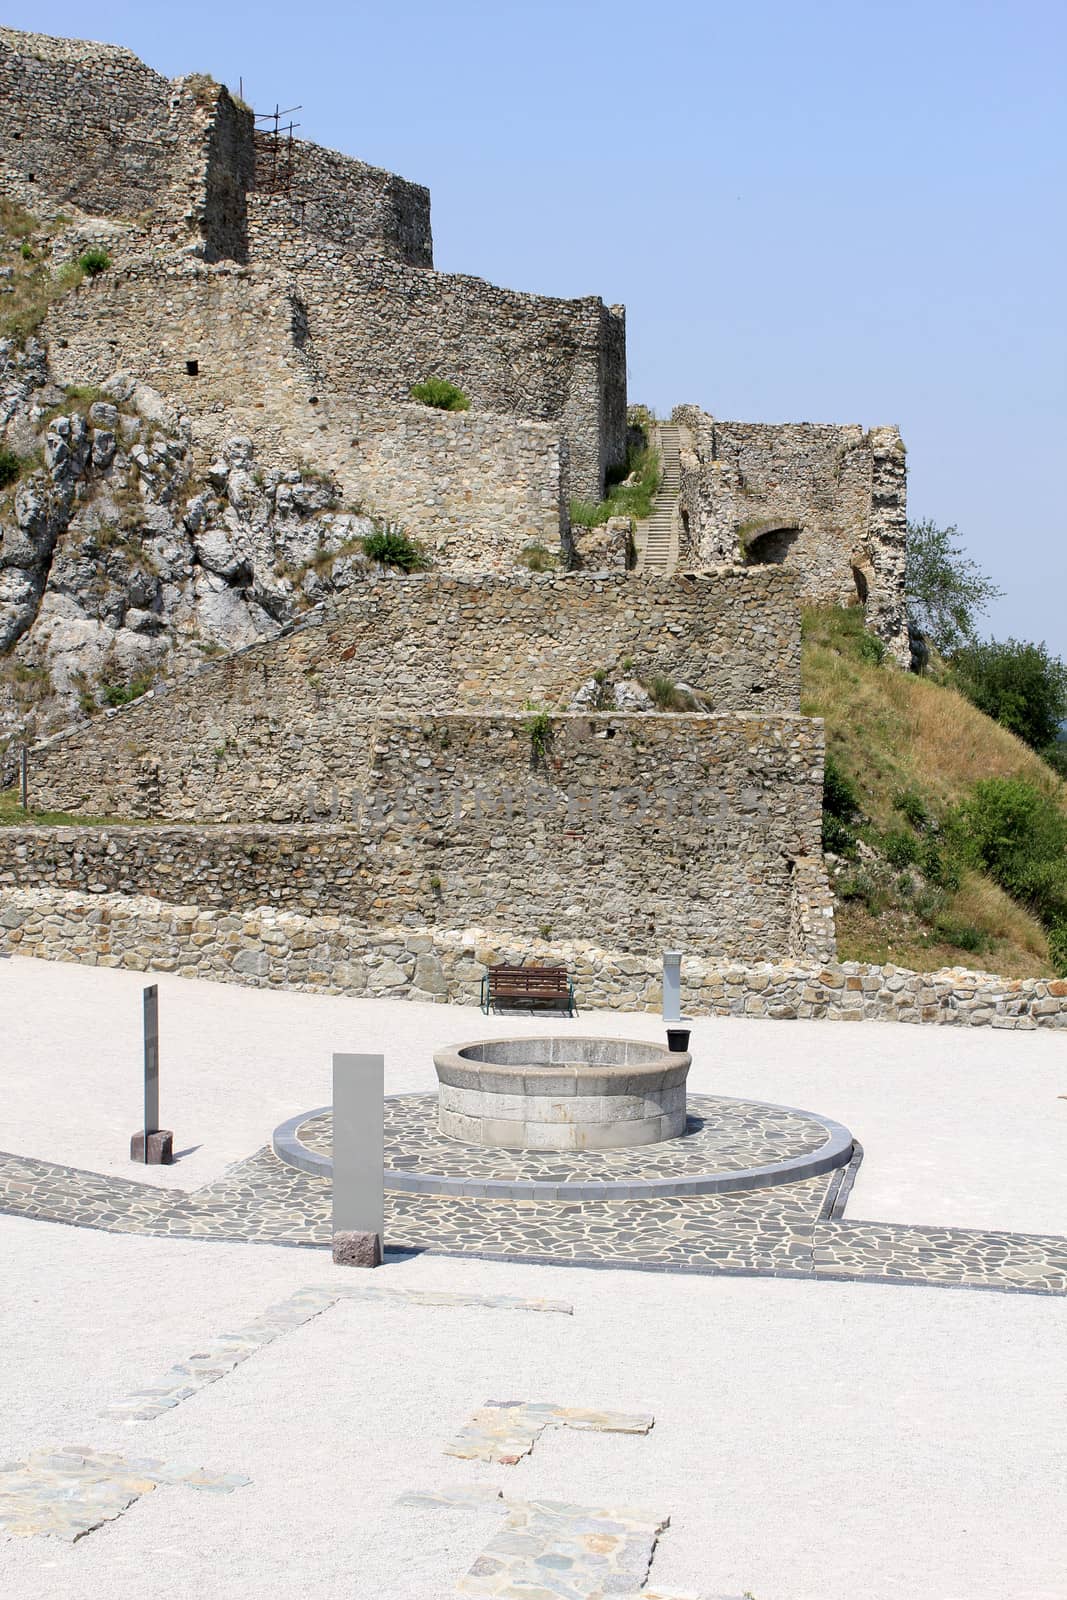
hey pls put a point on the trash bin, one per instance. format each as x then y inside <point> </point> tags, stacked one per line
<point>677,1039</point>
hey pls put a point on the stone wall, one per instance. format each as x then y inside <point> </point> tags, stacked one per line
<point>629,831</point>
<point>277,949</point>
<point>375,326</point>
<point>296,709</point>
<point>475,487</point>
<point>826,501</point>
<point>87,123</point>
<point>332,196</point>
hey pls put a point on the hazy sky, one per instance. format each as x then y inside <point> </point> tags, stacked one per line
<point>825,212</point>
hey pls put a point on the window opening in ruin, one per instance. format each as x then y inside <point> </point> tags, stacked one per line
<point>192,368</point>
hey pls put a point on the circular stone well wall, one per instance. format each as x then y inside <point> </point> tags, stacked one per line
<point>561,1093</point>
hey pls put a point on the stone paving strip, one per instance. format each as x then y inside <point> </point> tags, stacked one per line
<point>507,1430</point>
<point>777,1231</point>
<point>725,1141</point>
<point>221,1355</point>
<point>554,1549</point>
<point>65,1494</point>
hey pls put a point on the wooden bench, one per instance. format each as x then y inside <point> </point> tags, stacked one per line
<point>528,987</point>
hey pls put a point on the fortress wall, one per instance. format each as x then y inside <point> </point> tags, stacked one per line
<point>378,326</point>
<point>631,831</point>
<point>475,487</point>
<point>89,121</point>
<point>333,196</point>
<point>837,494</point>
<point>245,736</point>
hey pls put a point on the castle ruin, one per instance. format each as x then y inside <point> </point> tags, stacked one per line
<point>473,753</point>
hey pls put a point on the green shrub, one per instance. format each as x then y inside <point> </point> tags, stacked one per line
<point>10,467</point>
<point>939,866</point>
<point>964,935</point>
<point>1056,756</point>
<point>625,499</point>
<point>862,887</point>
<point>900,849</point>
<point>666,695</point>
<point>1022,686</point>
<point>839,795</point>
<point>390,545</point>
<point>441,394</point>
<point>26,250</point>
<point>1057,948</point>
<point>871,648</point>
<point>120,694</point>
<point>837,837</point>
<point>538,725</point>
<point>910,803</point>
<point>1018,835</point>
<point>93,262</point>
<point>589,513</point>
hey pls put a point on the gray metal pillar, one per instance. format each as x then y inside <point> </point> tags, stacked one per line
<point>672,986</point>
<point>358,1159</point>
<point>151,1063</point>
<point>152,1145</point>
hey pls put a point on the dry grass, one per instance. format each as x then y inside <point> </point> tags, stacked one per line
<point>893,731</point>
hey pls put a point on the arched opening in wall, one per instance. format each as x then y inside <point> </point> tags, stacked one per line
<point>859,577</point>
<point>767,544</point>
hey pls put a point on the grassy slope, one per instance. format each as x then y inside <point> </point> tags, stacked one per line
<point>891,731</point>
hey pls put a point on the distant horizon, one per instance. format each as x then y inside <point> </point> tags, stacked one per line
<point>822,216</point>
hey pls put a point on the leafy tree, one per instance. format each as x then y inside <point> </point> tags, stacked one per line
<point>1018,835</point>
<point>945,590</point>
<point>1022,686</point>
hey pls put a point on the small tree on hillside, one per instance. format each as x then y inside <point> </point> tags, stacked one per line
<point>946,592</point>
<point>1023,686</point>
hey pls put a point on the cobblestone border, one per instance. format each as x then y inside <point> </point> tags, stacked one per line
<point>834,1153</point>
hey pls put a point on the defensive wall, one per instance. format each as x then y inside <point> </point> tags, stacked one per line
<point>343,250</point>
<point>245,735</point>
<point>698,830</point>
<point>826,501</point>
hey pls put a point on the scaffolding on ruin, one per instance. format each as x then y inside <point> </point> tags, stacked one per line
<point>275,150</point>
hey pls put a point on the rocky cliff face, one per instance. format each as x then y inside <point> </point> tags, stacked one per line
<point>124,558</point>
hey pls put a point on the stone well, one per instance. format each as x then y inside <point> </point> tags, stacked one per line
<point>561,1093</point>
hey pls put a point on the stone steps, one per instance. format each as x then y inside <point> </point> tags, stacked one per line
<point>656,538</point>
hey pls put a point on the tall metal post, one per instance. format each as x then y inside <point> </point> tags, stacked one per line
<point>151,1063</point>
<point>672,986</point>
<point>151,1144</point>
<point>358,1159</point>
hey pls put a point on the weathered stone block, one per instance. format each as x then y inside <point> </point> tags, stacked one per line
<point>357,1249</point>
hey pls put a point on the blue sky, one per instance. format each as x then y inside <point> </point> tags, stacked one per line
<point>824,212</point>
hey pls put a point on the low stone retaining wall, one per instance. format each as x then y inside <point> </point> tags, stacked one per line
<point>277,949</point>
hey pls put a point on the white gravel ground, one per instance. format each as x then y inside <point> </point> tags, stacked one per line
<point>960,1127</point>
<point>812,1441</point>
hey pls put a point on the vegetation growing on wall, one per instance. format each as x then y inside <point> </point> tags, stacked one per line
<point>392,546</point>
<point>26,248</point>
<point>630,497</point>
<point>440,394</point>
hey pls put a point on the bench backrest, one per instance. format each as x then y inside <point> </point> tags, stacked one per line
<point>529,980</point>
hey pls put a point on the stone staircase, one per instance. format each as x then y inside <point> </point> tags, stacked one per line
<point>656,539</point>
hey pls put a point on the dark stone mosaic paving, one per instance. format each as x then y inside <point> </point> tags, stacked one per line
<point>725,1138</point>
<point>791,1230</point>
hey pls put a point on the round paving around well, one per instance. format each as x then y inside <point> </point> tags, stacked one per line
<point>729,1144</point>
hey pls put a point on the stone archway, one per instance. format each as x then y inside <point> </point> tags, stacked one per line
<point>767,543</point>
